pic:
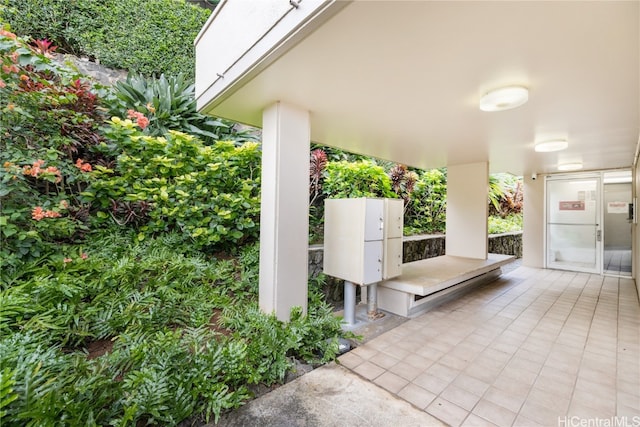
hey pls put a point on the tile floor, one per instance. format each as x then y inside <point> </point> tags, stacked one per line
<point>534,348</point>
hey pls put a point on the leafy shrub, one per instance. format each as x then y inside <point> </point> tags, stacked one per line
<point>426,210</point>
<point>149,37</point>
<point>170,104</point>
<point>505,195</point>
<point>510,223</point>
<point>210,193</point>
<point>356,179</point>
<point>50,119</point>
<point>169,359</point>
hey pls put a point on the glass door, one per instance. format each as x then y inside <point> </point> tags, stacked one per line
<point>574,236</point>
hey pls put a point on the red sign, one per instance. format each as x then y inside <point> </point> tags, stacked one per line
<point>575,205</point>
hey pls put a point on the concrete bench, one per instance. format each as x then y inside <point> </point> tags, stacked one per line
<point>428,282</point>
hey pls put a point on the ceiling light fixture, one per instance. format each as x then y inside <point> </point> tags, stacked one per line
<point>504,98</point>
<point>570,166</point>
<point>553,145</point>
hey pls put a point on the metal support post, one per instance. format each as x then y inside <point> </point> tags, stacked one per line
<point>349,303</point>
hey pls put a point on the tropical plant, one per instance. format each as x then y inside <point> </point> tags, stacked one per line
<point>426,211</point>
<point>505,195</point>
<point>169,104</point>
<point>125,333</point>
<point>50,120</point>
<point>210,193</point>
<point>356,179</point>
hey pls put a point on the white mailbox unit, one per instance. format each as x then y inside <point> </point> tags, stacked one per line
<point>362,242</point>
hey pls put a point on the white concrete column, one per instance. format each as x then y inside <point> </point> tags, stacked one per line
<point>533,220</point>
<point>284,209</point>
<point>467,210</point>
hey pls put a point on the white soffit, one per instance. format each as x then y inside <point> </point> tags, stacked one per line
<point>402,80</point>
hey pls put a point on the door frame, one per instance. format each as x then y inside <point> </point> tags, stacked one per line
<point>599,249</point>
<point>600,175</point>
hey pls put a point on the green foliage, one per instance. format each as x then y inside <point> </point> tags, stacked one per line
<point>150,303</point>
<point>426,210</point>
<point>210,193</point>
<point>49,123</point>
<point>149,37</point>
<point>510,223</point>
<point>170,104</point>
<point>505,195</point>
<point>356,179</point>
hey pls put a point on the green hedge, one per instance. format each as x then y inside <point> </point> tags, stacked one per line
<point>148,37</point>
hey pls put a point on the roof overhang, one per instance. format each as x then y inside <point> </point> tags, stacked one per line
<point>402,80</point>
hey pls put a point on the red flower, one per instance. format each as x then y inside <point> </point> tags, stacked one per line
<point>2,84</point>
<point>84,167</point>
<point>37,213</point>
<point>52,214</point>
<point>141,120</point>
<point>84,255</point>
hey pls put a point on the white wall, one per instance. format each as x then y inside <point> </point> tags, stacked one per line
<point>533,222</point>
<point>467,210</point>
<point>284,210</point>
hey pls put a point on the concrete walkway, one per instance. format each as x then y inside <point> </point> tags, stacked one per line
<point>534,348</point>
<point>330,396</point>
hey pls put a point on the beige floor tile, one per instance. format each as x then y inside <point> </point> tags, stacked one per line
<point>483,373</point>
<point>420,362</point>
<point>494,413</point>
<point>463,398</point>
<point>365,352</point>
<point>391,382</point>
<point>550,385</point>
<point>446,411</point>
<point>430,383</point>
<point>551,400</point>
<point>521,363</point>
<point>429,352</point>
<point>597,389</point>
<point>369,370</point>
<point>350,360</point>
<point>416,395</point>
<point>520,375</point>
<point>584,410</point>
<point>510,385</point>
<point>628,412</point>
<point>522,421</point>
<point>454,362</point>
<point>597,404</point>
<point>475,421</point>
<point>522,351</point>
<point>540,414</point>
<point>384,360</point>
<point>405,370</point>
<point>379,343</point>
<point>625,385</point>
<point>397,352</point>
<point>471,384</point>
<point>443,372</point>
<point>510,400</point>
<point>601,377</point>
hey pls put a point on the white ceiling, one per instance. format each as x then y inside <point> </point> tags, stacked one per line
<point>401,81</point>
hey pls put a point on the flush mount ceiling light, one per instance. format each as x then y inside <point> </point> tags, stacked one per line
<point>504,98</point>
<point>570,166</point>
<point>553,145</point>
